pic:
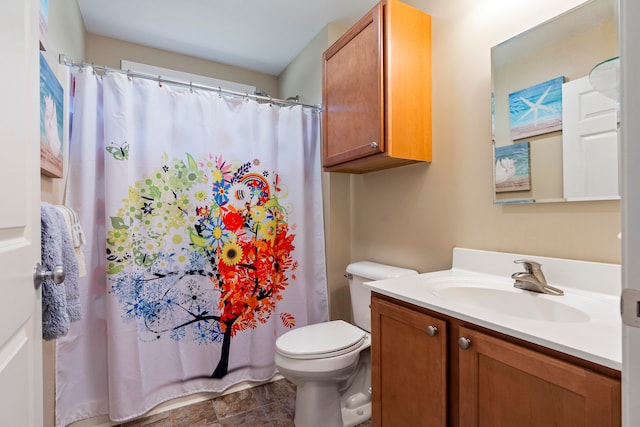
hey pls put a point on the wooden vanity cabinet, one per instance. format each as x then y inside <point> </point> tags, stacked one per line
<point>498,381</point>
<point>504,384</point>
<point>408,362</point>
<point>377,92</point>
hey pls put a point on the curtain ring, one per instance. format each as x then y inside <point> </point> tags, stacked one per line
<point>219,92</point>
<point>191,87</point>
<point>159,81</point>
<point>129,76</point>
<point>246,97</point>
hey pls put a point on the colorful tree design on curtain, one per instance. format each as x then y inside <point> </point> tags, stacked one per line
<point>201,250</point>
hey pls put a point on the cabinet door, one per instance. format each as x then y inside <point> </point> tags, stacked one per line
<point>353,116</point>
<point>503,384</point>
<point>408,367</point>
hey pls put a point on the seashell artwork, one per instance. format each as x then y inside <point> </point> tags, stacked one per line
<point>512,168</point>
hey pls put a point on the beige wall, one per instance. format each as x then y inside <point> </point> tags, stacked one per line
<point>303,76</point>
<point>414,216</point>
<point>65,35</point>
<point>107,51</point>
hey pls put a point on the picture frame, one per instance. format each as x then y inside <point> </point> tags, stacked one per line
<point>536,110</point>
<point>51,122</point>
<point>512,167</point>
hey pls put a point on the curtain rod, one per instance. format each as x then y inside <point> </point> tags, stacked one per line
<point>64,60</point>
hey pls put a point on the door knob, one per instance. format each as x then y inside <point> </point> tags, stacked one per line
<point>40,275</point>
<point>374,145</point>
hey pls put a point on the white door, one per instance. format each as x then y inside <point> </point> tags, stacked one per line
<point>589,143</point>
<point>20,309</point>
<point>630,154</point>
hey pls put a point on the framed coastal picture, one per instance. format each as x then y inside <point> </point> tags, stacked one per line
<point>512,168</point>
<point>536,110</point>
<point>51,109</point>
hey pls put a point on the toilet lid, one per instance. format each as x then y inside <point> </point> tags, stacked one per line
<point>326,339</point>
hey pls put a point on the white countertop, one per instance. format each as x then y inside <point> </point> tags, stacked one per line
<point>586,323</point>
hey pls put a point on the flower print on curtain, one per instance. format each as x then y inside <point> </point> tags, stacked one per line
<point>205,242</point>
<point>201,219</point>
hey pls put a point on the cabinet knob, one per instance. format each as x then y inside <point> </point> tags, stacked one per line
<point>432,331</point>
<point>464,343</point>
<point>374,145</point>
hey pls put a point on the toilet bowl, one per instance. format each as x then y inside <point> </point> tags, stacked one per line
<point>322,374</point>
<point>330,362</point>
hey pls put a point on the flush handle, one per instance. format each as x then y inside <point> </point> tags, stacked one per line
<point>432,331</point>
<point>464,343</point>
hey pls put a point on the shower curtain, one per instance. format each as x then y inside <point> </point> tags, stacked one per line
<point>204,226</point>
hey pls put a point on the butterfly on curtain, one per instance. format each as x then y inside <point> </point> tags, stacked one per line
<point>119,151</point>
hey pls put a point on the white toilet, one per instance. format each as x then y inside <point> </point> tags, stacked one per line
<point>330,363</point>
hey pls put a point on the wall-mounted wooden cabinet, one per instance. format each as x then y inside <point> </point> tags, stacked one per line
<point>377,92</point>
<point>430,369</point>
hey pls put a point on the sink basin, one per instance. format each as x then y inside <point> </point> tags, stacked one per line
<point>501,297</point>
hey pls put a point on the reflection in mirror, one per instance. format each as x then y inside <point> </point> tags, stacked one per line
<point>554,135</point>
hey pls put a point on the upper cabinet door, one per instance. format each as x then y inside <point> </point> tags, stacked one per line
<point>353,93</point>
<point>377,92</point>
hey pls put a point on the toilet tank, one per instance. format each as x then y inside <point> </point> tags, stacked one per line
<point>367,271</point>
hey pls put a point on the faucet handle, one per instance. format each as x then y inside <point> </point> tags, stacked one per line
<point>533,278</point>
<point>529,265</point>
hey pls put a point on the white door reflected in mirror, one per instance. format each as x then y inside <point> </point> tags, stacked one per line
<point>589,143</point>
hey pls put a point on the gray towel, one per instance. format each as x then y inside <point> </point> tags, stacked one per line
<point>60,303</point>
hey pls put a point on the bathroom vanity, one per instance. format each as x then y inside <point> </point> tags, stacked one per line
<point>462,347</point>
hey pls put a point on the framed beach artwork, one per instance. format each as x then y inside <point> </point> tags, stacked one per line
<point>512,168</point>
<point>536,110</point>
<point>51,108</point>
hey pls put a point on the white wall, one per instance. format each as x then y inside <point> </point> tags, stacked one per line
<point>630,105</point>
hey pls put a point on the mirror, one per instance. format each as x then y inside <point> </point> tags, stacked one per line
<point>554,135</point>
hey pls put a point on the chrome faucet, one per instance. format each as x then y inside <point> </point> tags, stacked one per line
<point>532,278</point>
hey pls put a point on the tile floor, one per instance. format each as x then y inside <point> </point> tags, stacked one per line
<point>268,405</point>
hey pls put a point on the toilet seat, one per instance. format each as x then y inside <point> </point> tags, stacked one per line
<point>321,340</point>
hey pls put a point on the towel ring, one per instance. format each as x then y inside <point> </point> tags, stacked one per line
<point>40,275</point>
